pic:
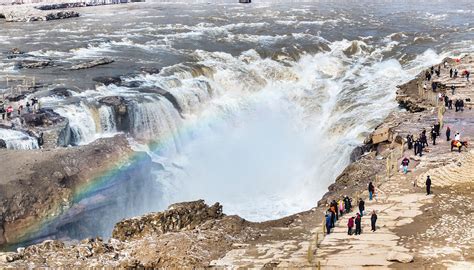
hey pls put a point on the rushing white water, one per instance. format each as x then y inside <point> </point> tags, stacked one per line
<point>18,140</point>
<point>276,135</point>
<point>263,137</point>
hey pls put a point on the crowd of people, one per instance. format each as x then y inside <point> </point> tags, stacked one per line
<point>7,111</point>
<point>344,206</point>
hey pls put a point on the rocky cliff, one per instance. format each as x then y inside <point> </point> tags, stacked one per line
<point>39,186</point>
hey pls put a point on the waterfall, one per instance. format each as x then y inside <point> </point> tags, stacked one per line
<point>108,122</point>
<point>81,121</point>
<point>156,120</point>
<point>18,140</point>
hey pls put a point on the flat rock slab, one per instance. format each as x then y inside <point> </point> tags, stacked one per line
<point>93,63</point>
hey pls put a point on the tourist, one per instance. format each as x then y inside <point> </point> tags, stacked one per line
<point>20,108</point>
<point>371,190</point>
<point>428,185</point>
<point>446,101</point>
<point>434,86</point>
<point>34,104</point>
<point>347,204</point>
<point>427,76</point>
<point>448,133</point>
<point>457,136</point>
<point>467,75</point>
<point>450,72</point>
<point>415,146</point>
<point>453,88</point>
<point>333,207</point>
<point>361,206</point>
<point>423,139</point>
<point>433,135</point>
<point>341,207</point>
<point>432,70</point>
<point>328,224</point>
<point>450,104</point>
<point>455,73</point>
<point>9,111</point>
<point>40,140</point>
<point>437,128</point>
<point>410,141</point>
<point>459,104</point>
<point>350,225</point>
<point>405,163</point>
<point>358,223</point>
<point>28,107</point>
<point>438,71</point>
<point>420,148</point>
<point>373,220</point>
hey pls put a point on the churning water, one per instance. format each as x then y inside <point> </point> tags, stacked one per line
<point>269,99</point>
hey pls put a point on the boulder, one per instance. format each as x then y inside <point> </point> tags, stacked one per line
<point>150,70</point>
<point>61,92</point>
<point>359,151</point>
<point>394,256</point>
<point>44,116</point>
<point>93,63</point>
<point>107,80</point>
<point>34,64</point>
<point>118,103</point>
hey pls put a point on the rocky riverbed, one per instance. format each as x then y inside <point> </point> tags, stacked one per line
<point>194,234</point>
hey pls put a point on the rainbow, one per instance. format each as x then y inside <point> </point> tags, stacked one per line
<point>105,177</point>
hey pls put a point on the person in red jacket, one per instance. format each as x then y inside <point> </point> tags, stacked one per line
<point>9,111</point>
<point>350,225</point>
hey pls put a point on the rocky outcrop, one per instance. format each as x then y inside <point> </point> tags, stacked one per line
<point>34,64</point>
<point>3,144</point>
<point>198,234</point>
<point>28,13</point>
<point>107,80</point>
<point>178,217</point>
<point>93,63</point>
<point>61,92</point>
<point>46,189</point>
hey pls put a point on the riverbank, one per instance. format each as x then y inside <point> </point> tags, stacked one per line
<point>410,223</point>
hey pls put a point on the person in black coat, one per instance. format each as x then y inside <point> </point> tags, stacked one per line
<point>347,204</point>
<point>358,223</point>
<point>373,220</point>
<point>428,185</point>
<point>433,135</point>
<point>448,133</point>
<point>361,206</point>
